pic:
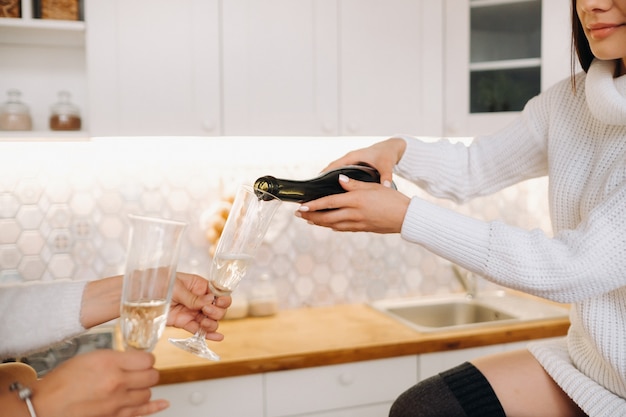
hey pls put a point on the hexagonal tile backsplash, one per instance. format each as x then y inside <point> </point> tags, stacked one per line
<point>64,207</point>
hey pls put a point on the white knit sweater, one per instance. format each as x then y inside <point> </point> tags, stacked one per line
<point>579,141</point>
<point>37,314</point>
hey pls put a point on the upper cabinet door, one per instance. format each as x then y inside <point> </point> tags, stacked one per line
<point>499,54</point>
<point>153,67</point>
<point>280,67</point>
<point>332,67</point>
<point>390,67</point>
<point>265,67</point>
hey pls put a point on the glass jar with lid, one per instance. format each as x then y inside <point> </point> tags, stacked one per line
<point>263,298</point>
<point>64,115</point>
<point>15,115</point>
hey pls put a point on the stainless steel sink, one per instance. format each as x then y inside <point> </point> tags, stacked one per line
<point>457,311</point>
<point>446,314</point>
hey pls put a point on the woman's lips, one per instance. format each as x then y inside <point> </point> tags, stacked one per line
<point>601,31</point>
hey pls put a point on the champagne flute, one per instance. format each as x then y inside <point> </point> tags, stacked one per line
<point>148,280</point>
<point>246,225</point>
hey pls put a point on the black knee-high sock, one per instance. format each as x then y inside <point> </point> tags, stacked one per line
<point>459,392</point>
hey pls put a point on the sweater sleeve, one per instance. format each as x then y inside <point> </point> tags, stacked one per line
<point>490,163</point>
<point>574,265</point>
<point>38,314</point>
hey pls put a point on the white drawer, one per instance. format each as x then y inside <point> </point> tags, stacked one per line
<point>375,410</point>
<point>338,386</point>
<point>433,363</point>
<point>234,397</point>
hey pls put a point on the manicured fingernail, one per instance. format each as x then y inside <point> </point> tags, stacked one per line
<point>297,214</point>
<point>303,208</point>
<point>387,183</point>
<point>343,178</point>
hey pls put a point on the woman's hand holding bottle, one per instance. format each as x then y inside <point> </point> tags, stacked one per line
<point>365,207</point>
<point>382,155</point>
<point>370,207</point>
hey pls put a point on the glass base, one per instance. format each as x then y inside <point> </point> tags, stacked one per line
<point>195,346</point>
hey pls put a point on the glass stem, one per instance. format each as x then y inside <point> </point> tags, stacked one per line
<point>200,335</point>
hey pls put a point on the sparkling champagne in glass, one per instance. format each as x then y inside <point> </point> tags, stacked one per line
<point>245,228</point>
<point>227,270</point>
<point>148,280</point>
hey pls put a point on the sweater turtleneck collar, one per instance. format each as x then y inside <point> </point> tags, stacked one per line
<point>606,95</point>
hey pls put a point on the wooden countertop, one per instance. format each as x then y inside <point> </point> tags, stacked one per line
<point>319,336</point>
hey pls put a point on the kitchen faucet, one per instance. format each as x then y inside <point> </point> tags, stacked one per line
<point>467,279</point>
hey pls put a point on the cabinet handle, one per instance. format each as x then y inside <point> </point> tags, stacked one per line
<point>327,127</point>
<point>346,379</point>
<point>353,127</point>
<point>451,130</point>
<point>196,398</point>
<point>208,125</point>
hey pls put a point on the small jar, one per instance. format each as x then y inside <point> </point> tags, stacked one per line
<point>263,299</point>
<point>15,115</point>
<point>238,308</point>
<point>64,115</point>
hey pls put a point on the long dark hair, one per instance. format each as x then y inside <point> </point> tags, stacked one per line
<point>580,42</point>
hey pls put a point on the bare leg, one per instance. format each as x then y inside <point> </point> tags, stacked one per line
<point>523,387</point>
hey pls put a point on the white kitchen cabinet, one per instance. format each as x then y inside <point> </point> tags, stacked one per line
<point>40,58</point>
<point>376,410</point>
<point>280,59</point>
<point>390,69</point>
<point>233,397</point>
<point>153,67</point>
<point>365,388</point>
<point>505,50</point>
<point>264,67</point>
<point>432,363</point>
<point>331,67</point>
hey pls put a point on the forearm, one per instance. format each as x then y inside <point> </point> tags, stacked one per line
<point>101,301</point>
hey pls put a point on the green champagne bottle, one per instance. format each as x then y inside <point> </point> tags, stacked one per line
<point>327,183</point>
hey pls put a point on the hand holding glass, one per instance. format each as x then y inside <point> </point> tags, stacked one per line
<point>245,228</point>
<point>149,277</point>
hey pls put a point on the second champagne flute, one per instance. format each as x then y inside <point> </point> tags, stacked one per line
<point>245,228</point>
<point>148,280</point>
